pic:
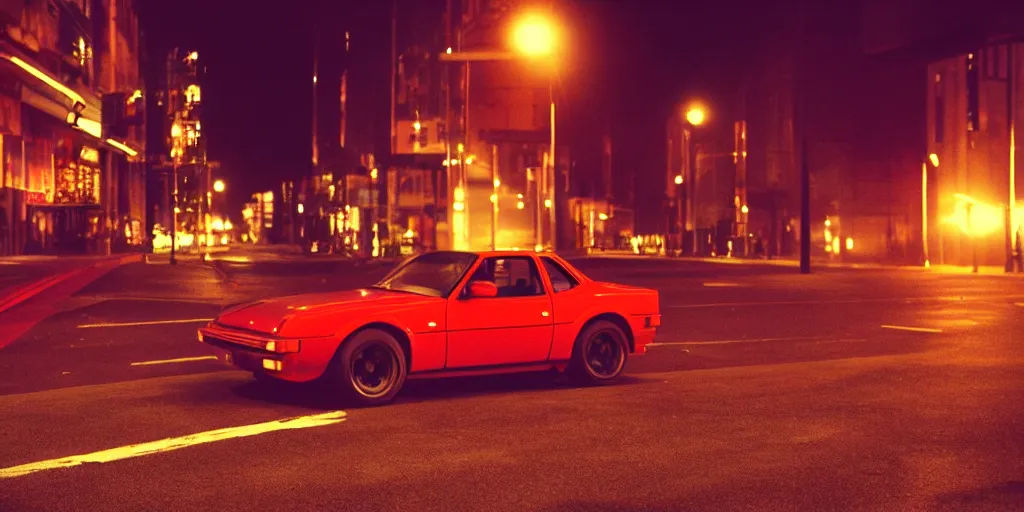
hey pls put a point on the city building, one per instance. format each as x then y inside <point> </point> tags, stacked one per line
<point>72,117</point>
<point>813,93</point>
<point>502,117</point>
<point>338,208</point>
<point>967,58</point>
<point>181,184</point>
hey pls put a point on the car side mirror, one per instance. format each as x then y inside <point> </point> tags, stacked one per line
<point>482,289</point>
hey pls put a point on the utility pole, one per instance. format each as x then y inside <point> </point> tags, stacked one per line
<point>805,210</point>
<point>1012,185</point>
<point>554,170</point>
<point>174,212</point>
<point>692,195</point>
<point>494,197</point>
<point>802,118</point>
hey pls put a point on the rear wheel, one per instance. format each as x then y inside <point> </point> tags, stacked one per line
<point>369,369</point>
<point>599,354</point>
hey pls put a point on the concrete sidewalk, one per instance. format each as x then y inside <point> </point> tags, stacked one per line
<point>989,270</point>
<point>24,277</point>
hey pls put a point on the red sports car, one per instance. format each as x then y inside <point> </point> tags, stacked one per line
<point>443,314</point>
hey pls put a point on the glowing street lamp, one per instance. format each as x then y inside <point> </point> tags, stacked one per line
<point>695,116</point>
<point>218,186</point>
<point>534,36</point>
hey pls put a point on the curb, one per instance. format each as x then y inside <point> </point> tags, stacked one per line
<point>35,288</point>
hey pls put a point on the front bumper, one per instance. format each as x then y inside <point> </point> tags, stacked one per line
<point>246,351</point>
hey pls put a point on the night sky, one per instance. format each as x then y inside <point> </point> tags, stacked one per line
<point>637,60</point>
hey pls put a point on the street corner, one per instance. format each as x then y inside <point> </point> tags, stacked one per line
<point>156,279</point>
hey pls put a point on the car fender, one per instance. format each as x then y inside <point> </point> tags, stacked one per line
<point>425,345</point>
<point>565,335</point>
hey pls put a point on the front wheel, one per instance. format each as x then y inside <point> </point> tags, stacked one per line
<point>370,368</point>
<point>599,354</point>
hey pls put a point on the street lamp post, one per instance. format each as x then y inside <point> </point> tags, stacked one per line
<point>532,38</point>
<point>934,159</point>
<point>174,211</point>
<point>695,116</point>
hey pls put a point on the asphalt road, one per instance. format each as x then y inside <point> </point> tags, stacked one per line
<point>842,390</point>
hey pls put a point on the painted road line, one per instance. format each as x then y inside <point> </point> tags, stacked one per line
<point>727,342</point>
<point>721,285</point>
<point>843,301</point>
<point>912,329</point>
<point>175,443</point>
<point>154,322</point>
<point>178,360</point>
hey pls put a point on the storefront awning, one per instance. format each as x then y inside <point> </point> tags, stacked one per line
<point>50,95</point>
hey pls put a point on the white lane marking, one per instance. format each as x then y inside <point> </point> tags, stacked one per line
<point>912,329</point>
<point>721,285</point>
<point>845,301</point>
<point>727,342</point>
<point>175,443</point>
<point>178,360</point>
<point>153,322</point>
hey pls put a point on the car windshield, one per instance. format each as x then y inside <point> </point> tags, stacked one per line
<point>434,274</point>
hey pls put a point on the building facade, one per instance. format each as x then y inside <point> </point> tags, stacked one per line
<point>502,117</point>
<point>72,118</point>
<point>970,89</point>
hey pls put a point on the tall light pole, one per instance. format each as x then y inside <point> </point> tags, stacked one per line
<point>533,37</point>
<point>176,133</point>
<point>695,116</point>
<point>934,160</point>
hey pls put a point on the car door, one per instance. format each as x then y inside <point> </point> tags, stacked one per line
<point>514,327</point>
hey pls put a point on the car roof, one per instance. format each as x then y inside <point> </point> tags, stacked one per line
<point>506,253</point>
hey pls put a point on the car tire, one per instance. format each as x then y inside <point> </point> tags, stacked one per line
<point>369,369</point>
<point>599,354</point>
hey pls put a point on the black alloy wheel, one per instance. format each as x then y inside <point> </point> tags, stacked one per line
<point>369,368</point>
<point>599,354</point>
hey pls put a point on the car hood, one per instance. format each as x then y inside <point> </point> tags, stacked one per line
<point>267,316</point>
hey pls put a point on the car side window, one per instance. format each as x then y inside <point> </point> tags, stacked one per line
<point>561,280</point>
<point>514,276</point>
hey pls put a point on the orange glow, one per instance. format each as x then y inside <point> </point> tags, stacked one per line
<point>695,116</point>
<point>48,80</point>
<point>534,36</point>
<point>218,186</point>
<point>176,130</point>
<point>417,126</point>
<point>679,179</point>
<point>934,159</point>
<point>497,183</point>
<point>982,220</point>
<point>127,150</point>
<point>192,94</point>
<point>520,205</point>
